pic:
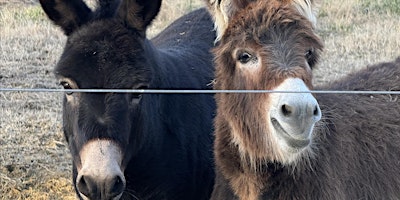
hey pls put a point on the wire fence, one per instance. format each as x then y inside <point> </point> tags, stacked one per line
<point>191,91</point>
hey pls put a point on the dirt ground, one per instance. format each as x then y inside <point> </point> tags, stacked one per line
<point>34,158</point>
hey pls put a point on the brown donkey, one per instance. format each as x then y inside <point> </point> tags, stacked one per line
<point>286,145</point>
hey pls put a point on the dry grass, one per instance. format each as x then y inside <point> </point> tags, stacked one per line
<point>34,159</point>
<point>356,33</point>
<point>35,163</point>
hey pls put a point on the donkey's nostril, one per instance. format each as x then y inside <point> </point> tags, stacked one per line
<point>316,111</point>
<point>93,188</point>
<point>286,110</point>
<point>86,186</point>
<point>117,186</point>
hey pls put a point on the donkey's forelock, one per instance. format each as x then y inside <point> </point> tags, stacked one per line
<point>106,8</point>
<point>223,11</point>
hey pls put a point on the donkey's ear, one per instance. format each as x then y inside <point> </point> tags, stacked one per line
<point>222,11</point>
<point>68,14</point>
<point>139,14</point>
<point>308,8</point>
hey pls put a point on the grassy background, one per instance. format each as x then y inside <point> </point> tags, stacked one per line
<point>357,33</point>
<point>34,159</point>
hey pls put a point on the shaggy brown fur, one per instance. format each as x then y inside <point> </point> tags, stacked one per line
<point>223,10</point>
<point>354,152</point>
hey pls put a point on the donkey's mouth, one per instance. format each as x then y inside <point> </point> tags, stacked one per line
<point>293,142</point>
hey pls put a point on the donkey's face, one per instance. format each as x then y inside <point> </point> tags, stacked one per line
<point>99,126</point>
<point>102,52</point>
<point>268,46</point>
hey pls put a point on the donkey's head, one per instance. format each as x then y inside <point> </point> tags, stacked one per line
<point>105,50</point>
<point>268,45</point>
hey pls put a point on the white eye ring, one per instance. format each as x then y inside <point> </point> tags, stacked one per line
<point>244,57</point>
<point>66,86</point>
<point>136,97</point>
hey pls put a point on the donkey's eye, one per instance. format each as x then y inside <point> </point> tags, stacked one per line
<point>136,97</point>
<point>310,57</point>
<point>244,57</point>
<point>66,86</point>
<point>309,54</point>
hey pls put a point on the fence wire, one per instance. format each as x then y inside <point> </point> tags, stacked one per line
<point>187,91</point>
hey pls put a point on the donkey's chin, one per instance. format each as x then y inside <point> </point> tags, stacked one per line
<point>294,142</point>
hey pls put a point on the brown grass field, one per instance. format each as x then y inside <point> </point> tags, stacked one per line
<point>34,158</point>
